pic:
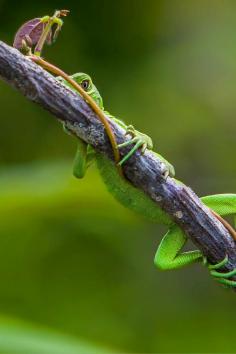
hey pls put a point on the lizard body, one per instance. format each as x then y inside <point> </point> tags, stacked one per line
<point>168,255</point>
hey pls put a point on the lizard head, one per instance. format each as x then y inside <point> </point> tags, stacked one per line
<point>87,84</point>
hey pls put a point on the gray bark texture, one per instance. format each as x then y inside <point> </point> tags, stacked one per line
<point>143,171</point>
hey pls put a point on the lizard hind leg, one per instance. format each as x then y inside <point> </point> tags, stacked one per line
<point>223,204</point>
<point>168,257</point>
<point>168,254</point>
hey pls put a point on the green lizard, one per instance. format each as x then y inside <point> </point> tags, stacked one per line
<point>168,255</point>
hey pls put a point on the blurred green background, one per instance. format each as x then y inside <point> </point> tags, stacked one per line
<point>72,260</point>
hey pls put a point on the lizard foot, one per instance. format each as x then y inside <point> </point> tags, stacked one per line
<point>222,278</point>
<point>139,139</point>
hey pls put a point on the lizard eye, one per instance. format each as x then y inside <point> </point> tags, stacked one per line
<point>85,84</point>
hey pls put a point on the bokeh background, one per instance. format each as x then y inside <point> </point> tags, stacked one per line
<point>76,268</point>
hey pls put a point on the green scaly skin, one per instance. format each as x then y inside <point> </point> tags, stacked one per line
<point>168,254</point>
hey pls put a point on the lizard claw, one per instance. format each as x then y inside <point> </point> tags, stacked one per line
<point>223,278</point>
<point>130,131</point>
<point>144,142</point>
<point>139,139</point>
<point>165,171</point>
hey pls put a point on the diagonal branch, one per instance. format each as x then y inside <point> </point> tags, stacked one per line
<point>144,172</point>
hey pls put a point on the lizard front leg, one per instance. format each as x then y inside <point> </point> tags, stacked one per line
<point>143,142</point>
<point>83,159</point>
<point>139,140</point>
<point>84,156</point>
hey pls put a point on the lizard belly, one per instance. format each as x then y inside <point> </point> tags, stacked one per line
<point>128,195</point>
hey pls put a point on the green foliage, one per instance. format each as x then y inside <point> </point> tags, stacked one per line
<point>19,337</point>
<point>76,261</point>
